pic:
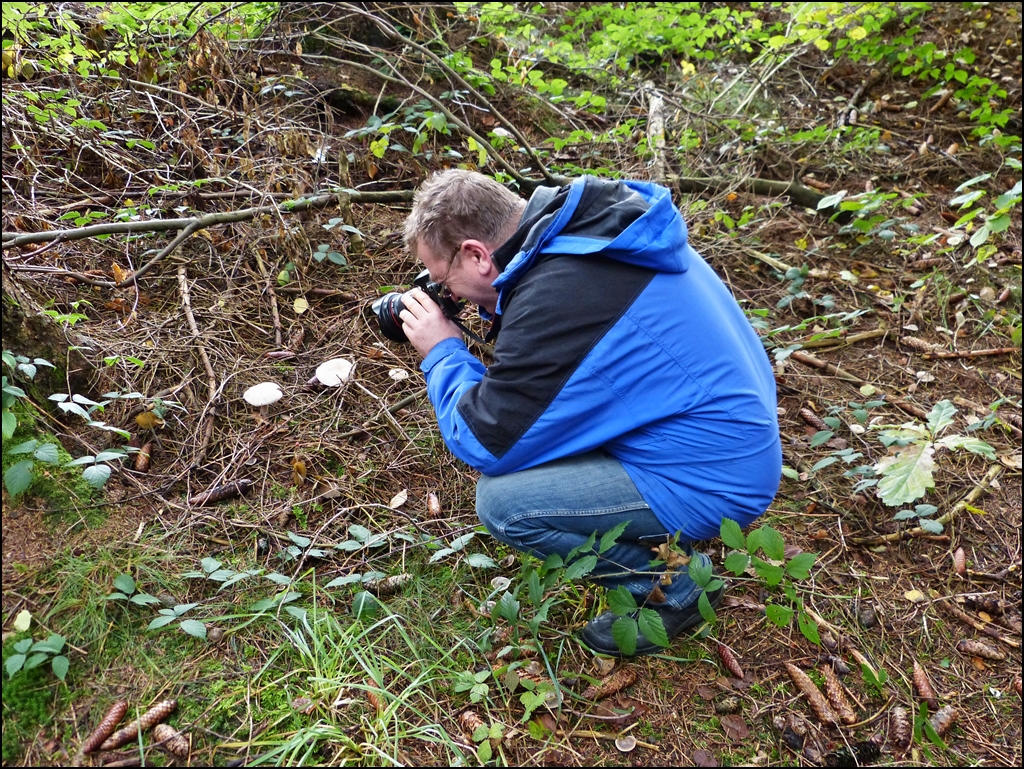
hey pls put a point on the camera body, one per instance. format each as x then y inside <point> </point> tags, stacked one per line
<point>389,307</point>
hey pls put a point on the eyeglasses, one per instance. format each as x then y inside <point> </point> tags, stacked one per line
<point>443,281</point>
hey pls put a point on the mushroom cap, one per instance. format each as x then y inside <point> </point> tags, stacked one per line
<point>335,371</point>
<point>263,394</point>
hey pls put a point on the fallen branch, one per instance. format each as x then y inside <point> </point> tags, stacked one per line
<point>797,192</point>
<point>993,472</point>
<point>953,610</point>
<point>211,377</point>
<point>836,341</point>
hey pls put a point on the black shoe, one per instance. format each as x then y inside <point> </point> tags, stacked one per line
<point>598,632</point>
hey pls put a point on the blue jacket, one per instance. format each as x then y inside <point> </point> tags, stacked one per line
<point>616,335</point>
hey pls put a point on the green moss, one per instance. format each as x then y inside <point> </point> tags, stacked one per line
<point>28,704</point>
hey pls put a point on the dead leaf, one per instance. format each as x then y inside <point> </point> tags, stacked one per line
<point>656,595</point>
<point>706,692</point>
<point>398,374</point>
<point>399,499</point>
<point>735,727</point>
<point>300,305</point>
<point>915,596</point>
<point>147,420</point>
<point>703,757</point>
<point>603,665</point>
<point>120,273</point>
<point>433,505</point>
<point>298,472</point>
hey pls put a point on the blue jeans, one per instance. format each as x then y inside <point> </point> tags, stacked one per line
<point>555,507</point>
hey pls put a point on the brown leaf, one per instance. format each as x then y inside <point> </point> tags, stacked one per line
<point>298,472</point>
<point>656,595</point>
<point>706,692</point>
<point>147,420</point>
<point>735,727</point>
<point>604,666</point>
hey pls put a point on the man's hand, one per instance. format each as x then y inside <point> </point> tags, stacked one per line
<point>424,323</point>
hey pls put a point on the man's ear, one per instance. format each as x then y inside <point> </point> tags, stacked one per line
<point>479,257</point>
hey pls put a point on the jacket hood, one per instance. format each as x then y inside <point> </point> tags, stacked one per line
<point>629,221</point>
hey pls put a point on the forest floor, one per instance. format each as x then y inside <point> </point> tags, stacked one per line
<point>342,487</point>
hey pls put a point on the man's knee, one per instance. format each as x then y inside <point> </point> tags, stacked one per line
<point>492,503</point>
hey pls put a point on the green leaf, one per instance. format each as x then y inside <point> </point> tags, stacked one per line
<point>143,599</point>
<point>193,627</point>
<point>481,561</point>
<point>508,607</point>
<point>808,627</point>
<point>652,627</point>
<point>737,563</point>
<point>707,611</point>
<point>358,532</point>
<point>14,663</point>
<point>779,615</point>
<point>831,200</point>
<point>769,572</point>
<point>18,477</point>
<point>159,622</point>
<point>772,543</point>
<point>941,416</point>
<point>47,453</point>
<point>929,525</point>
<point>621,601</point>
<point>124,583</point>
<point>580,568</point>
<point>907,475</point>
<point>973,445</point>
<point>60,666</point>
<point>823,463</point>
<point>26,447</point>
<point>700,571</point>
<point>96,475</point>
<point>624,633</point>
<point>35,661</point>
<point>820,437</point>
<point>337,582</point>
<point>609,538</point>
<point>799,567</point>
<point>732,534</point>
<point>10,424</point>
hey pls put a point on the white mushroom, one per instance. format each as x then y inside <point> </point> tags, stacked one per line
<point>335,371</point>
<point>263,395</point>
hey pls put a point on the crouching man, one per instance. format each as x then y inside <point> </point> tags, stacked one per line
<point>627,385</point>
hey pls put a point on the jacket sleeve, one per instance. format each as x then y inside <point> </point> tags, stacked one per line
<point>451,370</point>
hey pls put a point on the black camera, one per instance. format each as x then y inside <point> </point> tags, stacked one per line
<point>389,307</point>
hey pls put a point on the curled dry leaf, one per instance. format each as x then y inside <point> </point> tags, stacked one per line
<point>304,705</point>
<point>399,499</point>
<point>944,719</point>
<point>433,505</point>
<point>924,686</point>
<point>728,705</point>
<point>148,420</point>
<point>980,649</point>
<point>900,731</point>
<point>106,726</point>
<point>819,705</point>
<point>148,720</point>
<point>626,744</point>
<point>837,697</point>
<point>730,661</point>
<point>604,665</point>
<point>960,561</point>
<point>218,493</point>
<point>616,682</point>
<point>171,740</point>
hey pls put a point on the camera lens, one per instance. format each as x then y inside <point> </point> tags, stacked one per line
<point>388,309</point>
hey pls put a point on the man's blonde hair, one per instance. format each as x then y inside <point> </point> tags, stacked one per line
<point>455,205</point>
